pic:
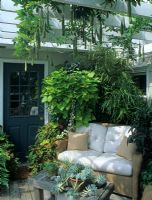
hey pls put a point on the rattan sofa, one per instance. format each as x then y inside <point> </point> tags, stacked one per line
<point>123,173</point>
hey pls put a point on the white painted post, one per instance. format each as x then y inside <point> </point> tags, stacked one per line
<point>149,82</point>
<point>1,92</point>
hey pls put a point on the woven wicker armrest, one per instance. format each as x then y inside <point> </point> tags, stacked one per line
<point>137,163</point>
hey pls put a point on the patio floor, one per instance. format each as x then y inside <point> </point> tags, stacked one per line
<point>21,190</point>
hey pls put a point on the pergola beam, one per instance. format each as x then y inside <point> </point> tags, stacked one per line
<point>120,6</point>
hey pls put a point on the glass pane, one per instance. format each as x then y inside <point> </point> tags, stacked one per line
<point>14,97</point>
<point>24,78</point>
<point>14,78</point>
<point>33,78</point>
<point>14,90</point>
<point>24,109</point>
<point>24,93</point>
<point>33,93</point>
<point>14,108</point>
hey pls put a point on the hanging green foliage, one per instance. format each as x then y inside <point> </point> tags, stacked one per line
<point>125,40</point>
<point>78,23</point>
<point>35,27</point>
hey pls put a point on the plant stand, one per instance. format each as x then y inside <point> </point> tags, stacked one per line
<point>42,182</point>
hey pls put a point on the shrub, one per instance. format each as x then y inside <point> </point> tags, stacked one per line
<point>4,176</point>
<point>43,150</point>
<point>142,132</point>
<point>142,136</point>
<point>71,95</point>
<point>8,162</point>
<point>118,96</point>
<point>146,175</point>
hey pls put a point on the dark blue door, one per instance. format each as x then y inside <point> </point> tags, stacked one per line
<point>23,111</point>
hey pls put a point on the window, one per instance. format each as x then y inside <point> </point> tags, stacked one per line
<point>23,93</point>
<point>140,81</point>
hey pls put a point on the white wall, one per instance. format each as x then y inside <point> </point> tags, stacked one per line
<point>8,5</point>
<point>149,82</point>
<point>1,93</point>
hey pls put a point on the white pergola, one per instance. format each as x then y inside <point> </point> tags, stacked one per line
<point>8,20</point>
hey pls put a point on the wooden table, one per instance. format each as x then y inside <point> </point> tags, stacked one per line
<point>41,182</point>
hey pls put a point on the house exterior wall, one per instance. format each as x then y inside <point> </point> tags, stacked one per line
<point>149,82</point>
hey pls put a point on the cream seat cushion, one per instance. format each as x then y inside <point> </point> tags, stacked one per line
<point>83,157</point>
<point>112,163</point>
<point>114,137</point>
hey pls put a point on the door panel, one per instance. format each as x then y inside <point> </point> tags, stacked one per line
<point>23,111</point>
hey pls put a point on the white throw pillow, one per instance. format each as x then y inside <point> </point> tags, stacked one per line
<point>114,137</point>
<point>97,137</point>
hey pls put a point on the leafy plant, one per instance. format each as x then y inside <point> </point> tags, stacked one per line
<point>8,162</point>
<point>142,129</point>
<point>44,150</point>
<point>146,175</point>
<point>71,95</point>
<point>4,176</point>
<point>118,95</point>
<point>51,167</point>
<point>142,136</point>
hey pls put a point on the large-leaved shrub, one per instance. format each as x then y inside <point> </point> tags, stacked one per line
<point>75,92</point>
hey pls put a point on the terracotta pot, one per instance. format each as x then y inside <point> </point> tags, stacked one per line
<point>79,182</point>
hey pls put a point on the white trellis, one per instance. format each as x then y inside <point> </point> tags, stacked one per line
<point>8,20</point>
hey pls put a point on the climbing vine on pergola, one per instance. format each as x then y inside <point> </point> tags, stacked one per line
<point>79,22</point>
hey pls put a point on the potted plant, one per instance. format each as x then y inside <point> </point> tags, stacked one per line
<point>75,180</point>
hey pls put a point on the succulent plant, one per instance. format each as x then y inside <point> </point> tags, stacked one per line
<point>77,180</point>
<point>101,180</point>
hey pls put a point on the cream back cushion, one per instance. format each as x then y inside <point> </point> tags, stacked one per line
<point>114,137</point>
<point>97,137</point>
<point>78,141</point>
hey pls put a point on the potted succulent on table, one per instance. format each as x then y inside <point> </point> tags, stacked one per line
<point>76,181</point>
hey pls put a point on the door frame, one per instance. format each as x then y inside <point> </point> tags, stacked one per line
<point>2,61</point>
